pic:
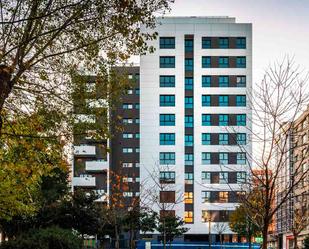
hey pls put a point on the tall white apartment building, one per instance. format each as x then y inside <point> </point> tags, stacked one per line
<point>195,119</point>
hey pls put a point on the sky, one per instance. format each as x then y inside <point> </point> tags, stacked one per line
<point>280,27</point>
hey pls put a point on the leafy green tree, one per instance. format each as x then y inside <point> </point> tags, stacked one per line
<point>241,223</point>
<point>48,238</point>
<point>148,221</point>
<point>171,227</point>
<point>306,243</point>
<point>42,41</point>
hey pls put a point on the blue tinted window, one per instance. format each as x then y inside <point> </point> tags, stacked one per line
<point>223,62</point>
<point>206,158</point>
<point>167,100</point>
<point>206,62</point>
<point>206,139</point>
<point>241,81</point>
<point>188,102</point>
<point>223,42</point>
<point>206,42</point>
<point>188,45</point>
<point>188,83</point>
<point>241,119</point>
<point>241,138</point>
<point>206,119</point>
<point>206,81</point>
<point>223,119</point>
<point>241,158</point>
<point>223,81</point>
<point>188,140</point>
<point>223,100</point>
<point>189,159</point>
<point>189,64</point>
<point>189,121</point>
<point>167,42</point>
<point>206,100</point>
<point>241,42</point>
<point>167,119</point>
<point>167,61</point>
<point>241,62</point>
<point>167,81</point>
<point>223,138</point>
<point>240,100</point>
<point>167,158</point>
<point>223,158</point>
<point>167,138</point>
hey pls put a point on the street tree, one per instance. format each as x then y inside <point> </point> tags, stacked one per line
<point>220,228</point>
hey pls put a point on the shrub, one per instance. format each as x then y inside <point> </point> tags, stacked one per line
<point>48,238</point>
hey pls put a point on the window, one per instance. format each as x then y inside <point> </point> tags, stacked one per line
<point>240,100</point>
<point>127,194</point>
<point>223,62</point>
<point>206,177</point>
<point>189,159</point>
<point>241,42</point>
<point>127,165</point>
<point>130,91</point>
<point>241,119</point>
<point>167,61</point>
<point>223,158</point>
<point>167,158</point>
<point>188,45</point>
<point>127,150</point>
<point>223,138</point>
<point>130,76</point>
<point>223,197</point>
<point>127,179</point>
<point>137,150</point>
<point>188,178</point>
<point>223,119</point>
<point>223,100</point>
<point>241,177</point>
<point>137,91</point>
<point>127,106</point>
<point>137,165</point>
<point>137,76</point>
<point>167,100</point>
<point>167,42</point>
<point>206,158</point>
<point>167,81</point>
<point>167,177</point>
<point>206,139</point>
<point>206,62</point>
<point>241,62</point>
<point>241,158</point>
<point>137,135</point>
<point>223,81</point>
<point>188,64</point>
<point>127,135</point>
<point>206,100</point>
<point>137,121</point>
<point>137,106</point>
<point>188,197</point>
<point>206,42</point>
<point>167,138</point>
<point>206,81</point>
<point>205,196</point>
<point>188,102</point>
<point>188,140</point>
<point>188,121</point>
<point>241,81</point>
<point>206,119</point>
<point>188,218</point>
<point>188,83</point>
<point>223,42</point>
<point>241,138</point>
<point>127,121</point>
<point>223,177</point>
<point>167,119</point>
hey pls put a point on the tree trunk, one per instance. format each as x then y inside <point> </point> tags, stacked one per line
<point>249,241</point>
<point>220,240</point>
<point>164,235</point>
<point>6,86</point>
<point>264,235</point>
<point>295,241</point>
<point>116,238</point>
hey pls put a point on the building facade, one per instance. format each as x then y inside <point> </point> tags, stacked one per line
<point>196,117</point>
<point>185,140</point>
<point>294,213</point>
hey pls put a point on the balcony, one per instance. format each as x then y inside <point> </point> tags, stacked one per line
<point>84,150</point>
<point>97,165</point>
<point>84,181</point>
<point>103,195</point>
